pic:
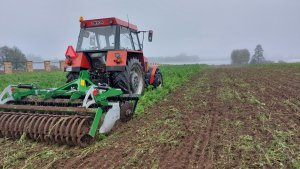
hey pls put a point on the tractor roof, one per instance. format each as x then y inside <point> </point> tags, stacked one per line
<point>106,22</point>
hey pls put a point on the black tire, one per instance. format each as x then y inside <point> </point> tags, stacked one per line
<point>132,80</point>
<point>158,79</point>
<point>120,80</point>
<point>72,76</point>
<point>126,111</point>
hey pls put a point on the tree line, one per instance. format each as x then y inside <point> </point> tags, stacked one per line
<point>17,57</point>
<point>238,57</point>
<point>242,56</point>
<point>13,55</point>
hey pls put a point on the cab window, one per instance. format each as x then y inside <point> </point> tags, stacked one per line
<point>98,38</point>
<point>135,41</point>
<point>125,39</point>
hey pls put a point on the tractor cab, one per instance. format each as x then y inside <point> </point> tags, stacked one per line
<point>108,34</point>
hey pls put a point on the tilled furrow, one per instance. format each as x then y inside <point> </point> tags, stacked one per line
<point>61,129</point>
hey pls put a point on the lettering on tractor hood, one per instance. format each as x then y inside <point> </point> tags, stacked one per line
<point>97,22</point>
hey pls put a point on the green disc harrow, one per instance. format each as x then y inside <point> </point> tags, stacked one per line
<point>71,114</point>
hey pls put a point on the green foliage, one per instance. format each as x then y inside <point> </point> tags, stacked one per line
<point>240,56</point>
<point>43,79</point>
<point>174,77</point>
<point>227,94</point>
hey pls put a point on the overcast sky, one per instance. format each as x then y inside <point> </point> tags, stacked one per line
<point>210,29</point>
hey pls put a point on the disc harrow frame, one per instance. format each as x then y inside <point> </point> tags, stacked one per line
<point>70,114</point>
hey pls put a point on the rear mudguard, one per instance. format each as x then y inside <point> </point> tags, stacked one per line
<point>150,75</point>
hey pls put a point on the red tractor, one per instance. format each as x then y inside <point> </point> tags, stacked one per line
<point>111,50</point>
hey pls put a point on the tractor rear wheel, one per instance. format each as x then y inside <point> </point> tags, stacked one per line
<point>120,80</point>
<point>132,80</point>
<point>72,76</point>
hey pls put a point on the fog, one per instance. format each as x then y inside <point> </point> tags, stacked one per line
<point>210,29</point>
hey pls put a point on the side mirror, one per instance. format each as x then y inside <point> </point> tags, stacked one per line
<point>150,35</point>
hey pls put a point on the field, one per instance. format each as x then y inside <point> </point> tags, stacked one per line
<point>204,117</point>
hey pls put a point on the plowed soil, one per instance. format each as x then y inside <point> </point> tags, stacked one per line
<point>223,118</point>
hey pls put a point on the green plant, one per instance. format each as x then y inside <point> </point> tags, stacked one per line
<point>174,77</point>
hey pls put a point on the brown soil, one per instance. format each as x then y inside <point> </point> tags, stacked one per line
<point>224,118</point>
